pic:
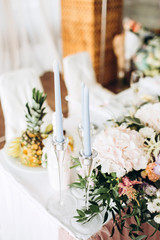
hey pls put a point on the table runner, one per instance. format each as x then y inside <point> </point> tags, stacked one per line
<point>105,232</point>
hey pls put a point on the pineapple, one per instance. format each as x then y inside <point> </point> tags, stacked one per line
<point>31,144</point>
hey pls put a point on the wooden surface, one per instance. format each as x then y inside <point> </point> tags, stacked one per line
<point>48,84</point>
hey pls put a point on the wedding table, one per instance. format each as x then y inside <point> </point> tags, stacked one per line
<point>23,205</point>
<point>23,208</point>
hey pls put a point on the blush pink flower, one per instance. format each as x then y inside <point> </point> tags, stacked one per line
<point>149,114</point>
<point>126,188</point>
<point>120,150</point>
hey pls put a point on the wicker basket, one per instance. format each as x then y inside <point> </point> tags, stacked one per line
<point>81,31</point>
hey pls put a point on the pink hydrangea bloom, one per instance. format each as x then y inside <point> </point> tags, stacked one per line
<point>120,150</point>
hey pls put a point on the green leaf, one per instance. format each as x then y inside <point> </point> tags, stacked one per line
<point>93,203</point>
<point>154,224</point>
<point>122,224</point>
<point>112,232</point>
<point>134,226</point>
<point>94,208</point>
<point>135,235</point>
<point>105,217</point>
<point>82,219</point>
<point>113,174</point>
<point>153,233</point>
<point>108,199</point>
<point>133,120</point>
<point>80,213</point>
<point>76,162</point>
<point>77,185</point>
<point>140,237</point>
<point>129,210</point>
<point>74,166</point>
<point>28,109</point>
<point>116,210</point>
<point>35,114</point>
<point>113,215</point>
<point>101,190</point>
<point>33,93</point>
<point>103,196</point>
<point>114,182</point>
<point>118,227</point>
<point>137,220</point>
<point>115,193</point>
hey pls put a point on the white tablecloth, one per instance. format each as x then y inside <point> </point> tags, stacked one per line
<point>24,196</point>
<point>23,199</point>
<point>23,206</point>
<point>23,202</point>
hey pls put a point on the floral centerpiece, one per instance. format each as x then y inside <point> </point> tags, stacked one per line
<point>126,176</point>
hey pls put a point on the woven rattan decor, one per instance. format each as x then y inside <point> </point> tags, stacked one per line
<point>81,31</point>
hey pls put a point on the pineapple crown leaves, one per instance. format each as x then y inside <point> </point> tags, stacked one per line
<point>35,114</point>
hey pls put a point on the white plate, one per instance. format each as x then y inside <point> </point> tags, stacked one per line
<point>15,163</point>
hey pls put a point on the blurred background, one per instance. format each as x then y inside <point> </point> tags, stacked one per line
<point>119,35</point>
<point>34,32</point>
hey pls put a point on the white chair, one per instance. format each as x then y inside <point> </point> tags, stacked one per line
<point>78,68</point>
<point>15,90</point>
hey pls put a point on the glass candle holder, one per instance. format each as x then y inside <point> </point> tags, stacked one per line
<point>61,204</point>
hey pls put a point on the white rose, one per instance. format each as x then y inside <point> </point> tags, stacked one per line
<point>147,132</point>
<point>157,218</point>
<point>158,193</point>
<point>151,207</point>
<point>156,203</point>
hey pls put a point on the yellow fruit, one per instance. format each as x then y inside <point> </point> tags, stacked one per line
<point>39,152</point>
<point>35,146</point>
<point>31,151</point>
<point>25,151</point>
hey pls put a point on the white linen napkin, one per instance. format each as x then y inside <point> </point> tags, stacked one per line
<point>15,91</point>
